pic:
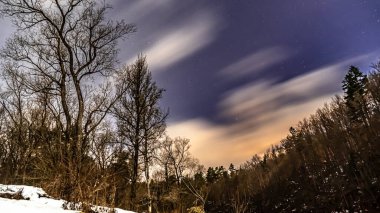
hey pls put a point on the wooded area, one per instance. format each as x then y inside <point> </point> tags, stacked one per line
<point>328,162</point>
<point>86,130</point>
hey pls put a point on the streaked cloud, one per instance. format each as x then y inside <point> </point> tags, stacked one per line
<point>263,115</point>
<point>137,10</point>
<point>257,61</point>
<point>260,97</point>
<point>180,42</point>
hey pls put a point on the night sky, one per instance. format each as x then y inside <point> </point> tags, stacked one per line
<point>238,74</point>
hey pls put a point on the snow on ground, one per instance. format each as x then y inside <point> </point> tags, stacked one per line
<point>38,201</point>
<point>8,205</point>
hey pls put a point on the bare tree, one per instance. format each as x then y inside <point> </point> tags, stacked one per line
<point>66,48</point>
<point>179,155</point>
<point>141,122</point>
<point>13,106</point>
<point>175,159</point>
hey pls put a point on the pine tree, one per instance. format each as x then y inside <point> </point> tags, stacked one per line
<point>354,89</point>
<point>211,175</point>
<point>232,170</point>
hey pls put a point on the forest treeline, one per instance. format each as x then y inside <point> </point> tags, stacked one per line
<point>88,130</point>
<point>329,162</point>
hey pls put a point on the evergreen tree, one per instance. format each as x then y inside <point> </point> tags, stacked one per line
<point>354,89</point>
<point>232,169</point>
<point>211,175</point>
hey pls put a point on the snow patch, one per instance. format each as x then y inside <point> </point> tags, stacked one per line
<point>36,200</point>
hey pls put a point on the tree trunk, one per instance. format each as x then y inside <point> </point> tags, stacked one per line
<point>148,184</point>
<point>134,176</point>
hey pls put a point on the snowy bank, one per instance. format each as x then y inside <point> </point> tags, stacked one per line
<point>35,200</point>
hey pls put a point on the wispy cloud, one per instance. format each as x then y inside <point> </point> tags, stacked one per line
<point>137,10</point>
<point>181,42</point>
<point>264,115</point>
<point>257,61</point>
<point>260,97</point>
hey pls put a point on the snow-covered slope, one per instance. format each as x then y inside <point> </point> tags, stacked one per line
<point>37,201</point>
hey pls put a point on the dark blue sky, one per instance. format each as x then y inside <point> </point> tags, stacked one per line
<point>313,33</point>
<point>242,67</point>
